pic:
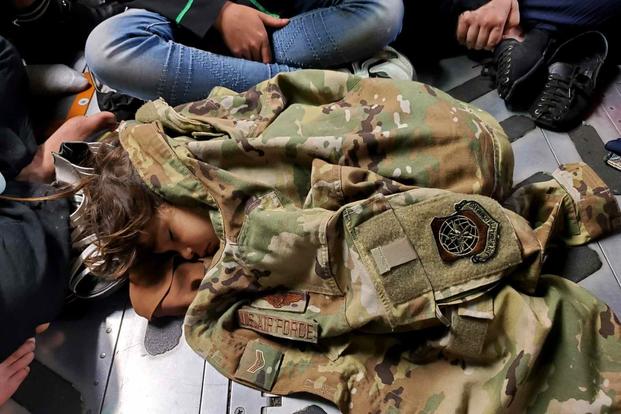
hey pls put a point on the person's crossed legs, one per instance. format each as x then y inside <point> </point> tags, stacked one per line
<point>136,52</point>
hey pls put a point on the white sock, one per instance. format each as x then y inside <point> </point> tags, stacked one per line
<point>55,80</point>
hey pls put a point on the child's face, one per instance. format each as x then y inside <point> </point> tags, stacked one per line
<point>176,229</point>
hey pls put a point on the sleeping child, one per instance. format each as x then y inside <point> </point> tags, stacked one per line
<point>359,240</point>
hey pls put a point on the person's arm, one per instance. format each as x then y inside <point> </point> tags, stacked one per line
<point>41,167</point>
<point>243,28</point>
<point>244,31</point>
<point>484,27</point>
<point>197,16</point>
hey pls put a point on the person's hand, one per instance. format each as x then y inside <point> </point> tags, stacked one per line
<point>484,27</point>
<point>244,31</point>
<point>79,128</point>
<point>14,369</point>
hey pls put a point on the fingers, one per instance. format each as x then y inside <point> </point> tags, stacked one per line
<point>514,14</point>
<point>42,328</point>
<point>274,22</point>
<point>20,363</point>
<point>23,350</point>
<point>463,24</point>
<point>266,52</point>
<point>255,51</point>
<point>468,30</point>
<point>482,38</point>
<point>260,49</point>
<point>101,120</point>
<point>16,379</point>
<point>10,385</point>
<point>471,36</point>
<point>495,37</point>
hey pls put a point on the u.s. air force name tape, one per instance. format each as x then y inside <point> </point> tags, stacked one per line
<point>284,326</point>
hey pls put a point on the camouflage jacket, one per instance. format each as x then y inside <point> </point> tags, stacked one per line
<point>365,257</point>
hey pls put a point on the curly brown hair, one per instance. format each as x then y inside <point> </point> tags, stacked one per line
<point>118,207</point>
<point>116,210</point>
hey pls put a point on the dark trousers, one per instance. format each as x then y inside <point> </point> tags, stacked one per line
<point>34,237</point>
<point>429,27</point>
<point>570,15</point>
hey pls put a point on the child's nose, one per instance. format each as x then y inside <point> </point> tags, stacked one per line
<point>187,253</point>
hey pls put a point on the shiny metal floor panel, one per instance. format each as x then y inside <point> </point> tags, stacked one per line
<point>81,350</point>
<point>214,399</point>
<point>160,384</point>
<point>103,355</point>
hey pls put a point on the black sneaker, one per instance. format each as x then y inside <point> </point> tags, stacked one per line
<point>518,62</point>
<point>572,76</point>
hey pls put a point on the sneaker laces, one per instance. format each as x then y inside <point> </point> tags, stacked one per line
<point>556,97</point>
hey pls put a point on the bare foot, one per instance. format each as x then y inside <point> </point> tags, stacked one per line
<point>14,369</point>
<point>41,168</point>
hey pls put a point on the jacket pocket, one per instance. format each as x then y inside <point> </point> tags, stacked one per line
<point>286,246</point>
<point>423,255</point>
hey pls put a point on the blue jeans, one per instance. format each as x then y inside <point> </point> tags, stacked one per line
<point>136,53</point>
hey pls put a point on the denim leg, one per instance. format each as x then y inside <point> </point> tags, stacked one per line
<point>135,53</point>
<point>17,141</point>
<point>328,33</point>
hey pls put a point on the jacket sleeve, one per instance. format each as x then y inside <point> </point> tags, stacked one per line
<point>34,262</point>
<point>197,16</point>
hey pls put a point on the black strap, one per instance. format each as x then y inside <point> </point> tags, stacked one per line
<point>517,126</point>
<point>472,89</point>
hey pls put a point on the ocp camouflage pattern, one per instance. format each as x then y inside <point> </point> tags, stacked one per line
<point>326,184</point>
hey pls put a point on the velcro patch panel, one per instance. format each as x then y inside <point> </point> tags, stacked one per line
<point>293,301</point>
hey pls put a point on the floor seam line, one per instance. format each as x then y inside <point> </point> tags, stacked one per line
<point>610,118</point>
<point>545,136</point>
<point>116,343</point>
<point>614,273</point>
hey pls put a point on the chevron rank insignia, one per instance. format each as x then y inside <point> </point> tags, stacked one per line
<point>259,365</point>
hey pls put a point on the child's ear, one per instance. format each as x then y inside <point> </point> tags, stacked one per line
<point>164,210</point>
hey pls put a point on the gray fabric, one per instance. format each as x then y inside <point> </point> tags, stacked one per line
<point>311,409</point>
<point>162,335</point>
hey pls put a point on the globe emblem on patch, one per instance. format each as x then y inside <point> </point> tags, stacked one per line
<point>459,235</point>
